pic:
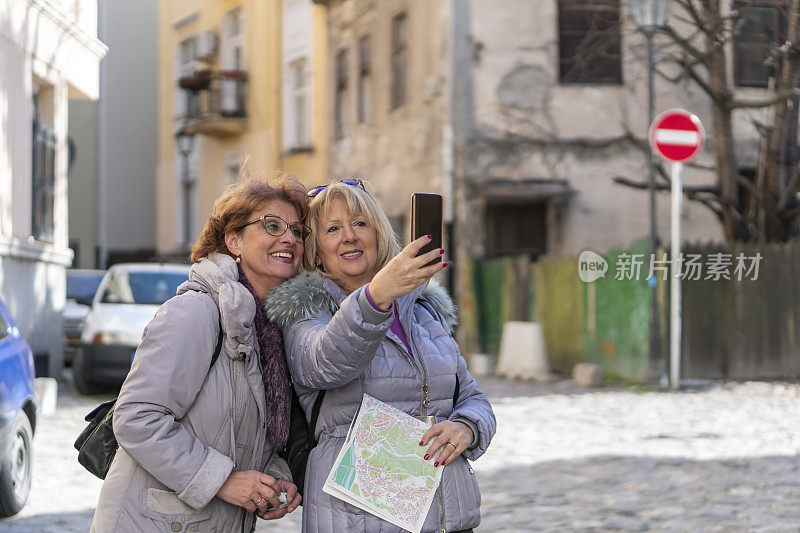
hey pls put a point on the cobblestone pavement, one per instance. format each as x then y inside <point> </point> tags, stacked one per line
<point>724,458</point>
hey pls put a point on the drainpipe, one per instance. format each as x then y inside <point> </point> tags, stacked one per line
<point>102,189</point>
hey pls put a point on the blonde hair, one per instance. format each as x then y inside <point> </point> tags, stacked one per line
<point>234,208</point>
<point>357,201</point>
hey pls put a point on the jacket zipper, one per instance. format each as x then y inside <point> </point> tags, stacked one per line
<point>425,404</point>
<point>424,373</point>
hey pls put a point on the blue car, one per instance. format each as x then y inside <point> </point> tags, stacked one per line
<point>17,416</point>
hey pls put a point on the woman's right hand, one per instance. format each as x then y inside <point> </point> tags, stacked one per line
<point>250,489</point>
<point>404,273</point>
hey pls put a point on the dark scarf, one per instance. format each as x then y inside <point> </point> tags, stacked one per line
<point>274,373</point>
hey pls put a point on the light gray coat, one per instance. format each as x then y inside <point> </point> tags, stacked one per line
<point>343,345</point>
<point>173,419</point>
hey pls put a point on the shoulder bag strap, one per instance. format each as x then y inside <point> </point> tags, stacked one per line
<point>218,347</point>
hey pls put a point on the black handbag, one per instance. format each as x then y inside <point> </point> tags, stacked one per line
<point>97,444</point>
<point>301,438</point>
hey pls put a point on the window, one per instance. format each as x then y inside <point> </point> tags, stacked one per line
<point>185,65</point>
<point>44,178</point>
<point>399,60</point>
<point>144,288</point>
<point>340,100</point>
<point>232,58</point>
<point>589,41</point>
<point>364,80</point>
<point>516,228</point>
<point>300,104</point>
<point>762,25</point>
<point>232,168</point>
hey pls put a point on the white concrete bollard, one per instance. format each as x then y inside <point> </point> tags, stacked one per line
<point>522,352</point>
<point>587,375</point>
<point>46,390</point>
<point>481,364</point>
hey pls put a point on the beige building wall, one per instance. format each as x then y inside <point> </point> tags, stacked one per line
<point>399,150</point>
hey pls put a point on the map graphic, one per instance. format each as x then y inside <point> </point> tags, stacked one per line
<point>381,469</point>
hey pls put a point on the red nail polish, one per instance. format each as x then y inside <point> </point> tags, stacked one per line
<point>422,443</point>
<point>444,265</point>
<point>441,251</point>
<point>427,456</point>
<point>436,463</point>
<point>430,236</point>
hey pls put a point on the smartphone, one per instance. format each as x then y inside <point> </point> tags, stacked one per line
<point>426,219</point>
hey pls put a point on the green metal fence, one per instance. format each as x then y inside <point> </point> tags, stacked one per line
<point>605,322</point>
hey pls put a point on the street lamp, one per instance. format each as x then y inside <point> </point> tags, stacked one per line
<point>185,142</point>
<point>649,16</point>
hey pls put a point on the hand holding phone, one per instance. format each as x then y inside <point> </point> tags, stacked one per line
<point>426,219</point>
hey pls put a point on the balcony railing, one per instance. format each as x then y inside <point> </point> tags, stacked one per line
<point>215,102</point>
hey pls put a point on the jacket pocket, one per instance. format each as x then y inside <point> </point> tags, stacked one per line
<point>462,496</point>
<point>164,506</point>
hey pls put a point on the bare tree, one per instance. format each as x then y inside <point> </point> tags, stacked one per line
<point>700,34</point>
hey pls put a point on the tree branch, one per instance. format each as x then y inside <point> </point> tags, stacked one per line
<point>767,102</point>
<point>622,180</point>
<point>685,45</point>
<point>714,95</point>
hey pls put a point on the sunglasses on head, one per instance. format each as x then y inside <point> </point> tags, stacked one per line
<point>319,188</point>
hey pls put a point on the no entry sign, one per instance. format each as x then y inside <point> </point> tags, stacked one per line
<point>677,135</point>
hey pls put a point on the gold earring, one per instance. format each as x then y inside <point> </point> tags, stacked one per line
<point>238,258</point>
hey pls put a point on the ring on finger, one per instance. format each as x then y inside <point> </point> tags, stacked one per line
<point>453,444</point>
<point>258,501</point>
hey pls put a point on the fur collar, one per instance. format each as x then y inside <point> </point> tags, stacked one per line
<point>306,295</point>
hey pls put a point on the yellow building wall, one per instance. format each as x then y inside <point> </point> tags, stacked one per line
<point>261,140</point>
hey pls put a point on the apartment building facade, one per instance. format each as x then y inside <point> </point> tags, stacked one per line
<point>49,52</point>
<point>500,108</point>
<point>237,80</point>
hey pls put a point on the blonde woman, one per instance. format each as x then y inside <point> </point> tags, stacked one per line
<point>367,319</point>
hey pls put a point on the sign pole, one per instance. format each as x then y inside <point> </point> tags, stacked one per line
<point>677,136</point>
<point>675,283</point>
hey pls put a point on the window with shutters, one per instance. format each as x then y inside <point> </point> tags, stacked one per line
<point>364,80</point>
<point>516,228</point>
<point>589,41</point>
<point>761,27</point>
<point>340,96</point>
<point>399,60</point>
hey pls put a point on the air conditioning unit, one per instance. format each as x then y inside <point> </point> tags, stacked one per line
<point>207,46</point>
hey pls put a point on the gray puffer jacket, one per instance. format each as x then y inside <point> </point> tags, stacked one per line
<point>343,345</point>
<point>176,420</point>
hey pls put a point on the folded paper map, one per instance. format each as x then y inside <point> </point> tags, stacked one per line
<point>381,469</point>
